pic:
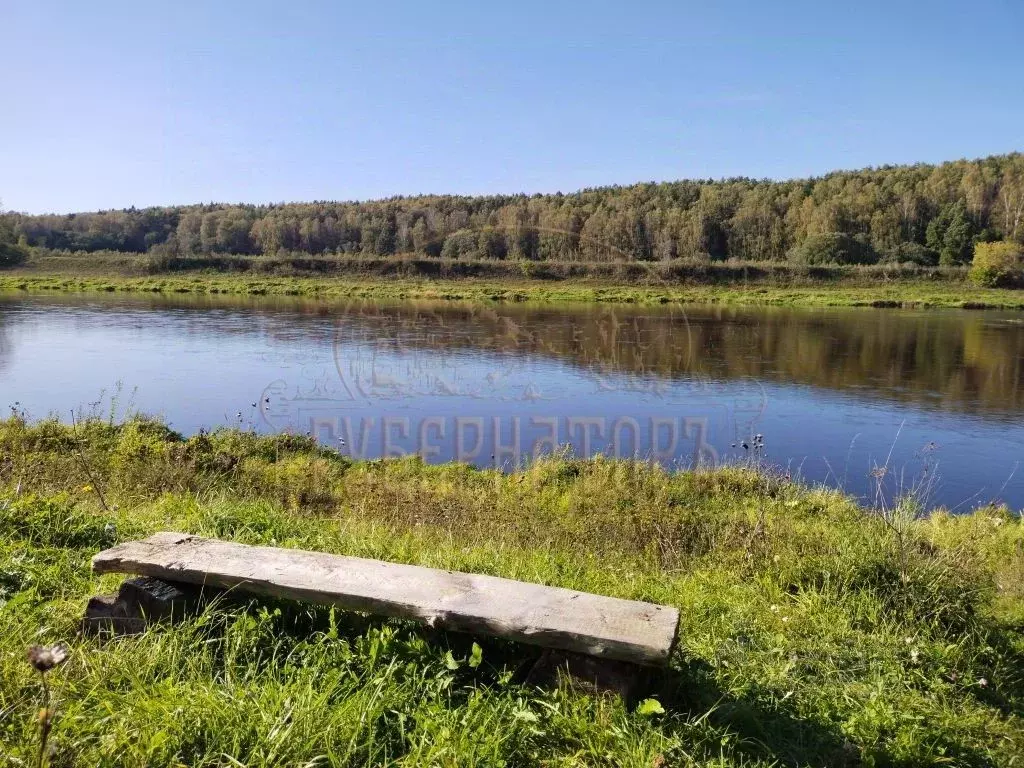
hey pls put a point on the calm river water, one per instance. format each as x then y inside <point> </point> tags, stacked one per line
<point>937,397</point>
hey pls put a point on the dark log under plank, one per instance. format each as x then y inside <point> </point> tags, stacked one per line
<point>140,602</point>
<point>593,676</point>
<point>552,617</point>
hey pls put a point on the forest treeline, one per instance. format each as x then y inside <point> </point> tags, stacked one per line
<point>923,214</point>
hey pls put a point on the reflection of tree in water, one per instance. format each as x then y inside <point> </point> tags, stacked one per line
<point>596,343</point>
<point>6,344</point>
<point>953,360</point>
<point>957,360</point>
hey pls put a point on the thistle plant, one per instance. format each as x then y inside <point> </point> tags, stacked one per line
<point>44,658</point>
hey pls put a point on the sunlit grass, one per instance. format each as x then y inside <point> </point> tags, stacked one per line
<point>876,285</point>
<point>810,635</point>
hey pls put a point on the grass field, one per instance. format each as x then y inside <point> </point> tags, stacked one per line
<point>397,278</point>
<point>814,632</point>
<point>897,294</point>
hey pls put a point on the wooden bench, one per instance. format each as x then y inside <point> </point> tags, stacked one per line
<point>582,623</point>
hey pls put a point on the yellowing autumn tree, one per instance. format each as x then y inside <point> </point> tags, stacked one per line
<point>998,264</point>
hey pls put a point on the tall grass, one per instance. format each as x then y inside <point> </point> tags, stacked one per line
<point>347,276</point>
<point>301,264</point>
<point>811,633</point>
<point>882,293</point>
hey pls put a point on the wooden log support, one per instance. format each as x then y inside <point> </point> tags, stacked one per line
<point>591,675</point>
<point>140,602</point>
<point>552,617</point>
<point>158,600</point>
<point>105,615</point>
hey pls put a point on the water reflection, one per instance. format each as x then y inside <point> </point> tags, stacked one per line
<point>6,343</point>
<point>971,362</point>
<point>831,390</point>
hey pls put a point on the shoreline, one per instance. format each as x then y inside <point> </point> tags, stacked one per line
<point>907,294</point>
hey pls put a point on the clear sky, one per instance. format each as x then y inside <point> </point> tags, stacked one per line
<point>113,104</point>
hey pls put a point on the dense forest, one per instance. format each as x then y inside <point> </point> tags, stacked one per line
<point>925,214</point>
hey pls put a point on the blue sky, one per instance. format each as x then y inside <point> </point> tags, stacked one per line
<point>112,104</point>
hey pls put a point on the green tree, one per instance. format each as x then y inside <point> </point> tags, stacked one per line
<point>460,244</point>
<point>233,233</point>
<point>387,237</point>
<point>951,233</point>
<point>491,244</point>
<point>957,243</point>
<point>11,253</point>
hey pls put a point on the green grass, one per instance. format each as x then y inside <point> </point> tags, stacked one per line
<point>893,294</point>
<point>814,632</point>
<point>398,278</point>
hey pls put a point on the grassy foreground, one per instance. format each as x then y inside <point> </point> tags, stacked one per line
<point>814,632</point>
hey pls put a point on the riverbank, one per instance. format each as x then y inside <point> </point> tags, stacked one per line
<point>909,294</point>
<point>815,632</point>
<point>400,278</point>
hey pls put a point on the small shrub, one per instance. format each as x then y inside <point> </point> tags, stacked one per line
<point>833,248</point>
<point>999,264</point>
<point>912,253</point>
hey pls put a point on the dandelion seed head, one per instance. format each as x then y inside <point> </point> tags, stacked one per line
<point>43,658</point>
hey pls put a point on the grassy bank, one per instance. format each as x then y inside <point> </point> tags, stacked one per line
<point>892,294</point>
<point>814,632</point>
<point>337,277</point>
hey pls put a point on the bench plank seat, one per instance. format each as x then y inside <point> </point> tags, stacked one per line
<point>605,627</point>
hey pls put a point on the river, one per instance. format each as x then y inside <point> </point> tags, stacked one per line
<point>875,401</point>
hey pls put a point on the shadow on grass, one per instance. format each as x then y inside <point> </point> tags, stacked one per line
<point>782,736</point>
<point>690,690</point>
<point>743,728</point>
<point>1008,695</point>
<point>759,732</point>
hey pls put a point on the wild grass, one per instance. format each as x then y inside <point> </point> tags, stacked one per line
<point>906,294</point>
<point>811,633</point>
<point>405,278</point>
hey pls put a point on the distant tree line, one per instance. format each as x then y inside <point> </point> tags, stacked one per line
<point>923,214</point>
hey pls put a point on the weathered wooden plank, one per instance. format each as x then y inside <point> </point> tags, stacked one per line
<point>627,630</point>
